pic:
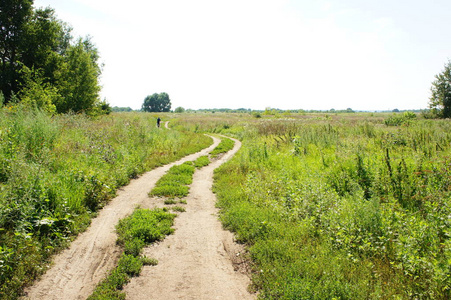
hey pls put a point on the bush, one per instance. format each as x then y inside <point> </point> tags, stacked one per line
<point>405,119</point>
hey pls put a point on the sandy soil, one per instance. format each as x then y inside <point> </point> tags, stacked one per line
<point>197,262</point>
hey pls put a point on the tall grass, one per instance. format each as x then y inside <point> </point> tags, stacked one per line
<point>342,208</point>
<point>57,171</point>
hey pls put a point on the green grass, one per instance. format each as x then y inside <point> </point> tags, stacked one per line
<point>202,161</point>
<point>141,228</point>
<point>344,208</point>
<point>224,146</point>
<point>56,172</point>
<point>175,182</point>
<point>178,209</point>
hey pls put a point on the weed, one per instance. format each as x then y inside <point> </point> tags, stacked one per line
<point>178,209</point>
<point>147,261</point>
<point>169,201</point>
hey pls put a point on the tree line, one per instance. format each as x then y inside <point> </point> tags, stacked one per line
<point>43,65</point>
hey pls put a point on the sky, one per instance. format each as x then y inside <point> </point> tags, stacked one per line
<point>286,54</point>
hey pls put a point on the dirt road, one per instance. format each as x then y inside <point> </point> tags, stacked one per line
<point>194,274</point>
<point>194,262</point>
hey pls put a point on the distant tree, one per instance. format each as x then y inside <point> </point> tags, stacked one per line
<point>179,110</point>
<point>157,103</point>
<point>121,109</point>
<point>440,100</point>
<point>395,110</point>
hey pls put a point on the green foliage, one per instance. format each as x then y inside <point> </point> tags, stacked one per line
<point>64,74</point>
<point>400,119</point>
<point>110,288</point>
<point>14,15</point>
<point>175,182</point>
<point>224,146</point>
<point>157,103</point>
<point>179,110</point>
<point>57,171</point>
<point>37,94</point>
<point>141,228</point>
<point>440,101</point>
<point>145,225</point>
<point>202,161</point>
<point>343,209</point>
<point>78,79</point>
<point>147,261</point>
<point>178,209</point>
<point>121,109</point>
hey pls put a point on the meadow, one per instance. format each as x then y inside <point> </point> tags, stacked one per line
<point>339,206</point>
<point>329,206</point>
<point>57,171</point>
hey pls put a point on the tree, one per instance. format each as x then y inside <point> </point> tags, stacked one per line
<point>440,101</point>
<point>179,110</point>
<point>47,40</point>
<point>39,59</point>
<point>14,15</point>
<point>78,81</point>
<point>157,103</point>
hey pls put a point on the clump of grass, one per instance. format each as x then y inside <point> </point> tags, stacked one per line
<point>178,209</point>
<point>224,146</point>
<point>202,162</point>
<point>145,225</point>
<point>141,228</point>
<point>148,261</point>
<point>169,201</point>
<point>175,182</point>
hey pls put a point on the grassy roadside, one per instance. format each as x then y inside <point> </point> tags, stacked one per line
<point>57,171</point>
<point>342,209</point>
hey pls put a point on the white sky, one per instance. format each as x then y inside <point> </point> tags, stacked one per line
<point>288,54</point>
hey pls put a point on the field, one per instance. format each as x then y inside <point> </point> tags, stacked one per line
<point>340,206</point>
<point>329,206</point>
